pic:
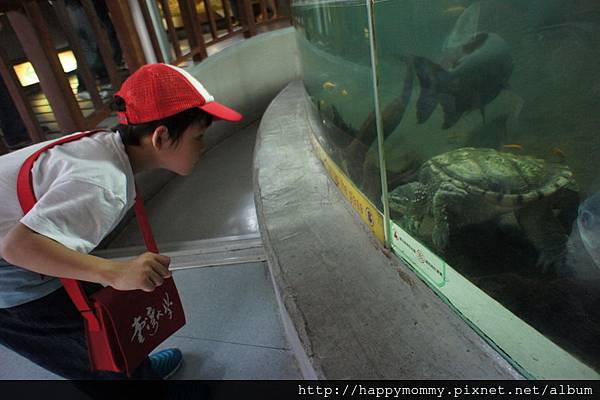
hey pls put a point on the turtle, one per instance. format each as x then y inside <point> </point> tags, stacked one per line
<point>472,185</point>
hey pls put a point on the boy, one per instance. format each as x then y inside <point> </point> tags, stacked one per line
<point>84,188</point>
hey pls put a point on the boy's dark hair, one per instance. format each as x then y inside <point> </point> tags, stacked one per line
<point>176,124</point>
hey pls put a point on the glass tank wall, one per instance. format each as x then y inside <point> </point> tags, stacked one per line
<point>490,117</point>
<point>336,64</point>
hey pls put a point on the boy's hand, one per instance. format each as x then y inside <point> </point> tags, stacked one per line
<point>144,272</point>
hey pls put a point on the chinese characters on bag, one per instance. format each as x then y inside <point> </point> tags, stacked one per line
<point>148,324</point>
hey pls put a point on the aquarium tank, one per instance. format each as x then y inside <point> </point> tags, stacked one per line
<point>473,128</point>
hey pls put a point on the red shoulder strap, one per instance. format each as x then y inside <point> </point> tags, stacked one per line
<point>27,200</point>
<point>24,179</point>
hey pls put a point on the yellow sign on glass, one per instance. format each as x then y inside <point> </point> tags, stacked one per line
<point>366,210</point>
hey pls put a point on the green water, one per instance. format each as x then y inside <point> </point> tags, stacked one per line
<point>548,107</point>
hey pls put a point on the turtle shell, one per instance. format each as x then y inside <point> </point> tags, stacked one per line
<point>501,177</point>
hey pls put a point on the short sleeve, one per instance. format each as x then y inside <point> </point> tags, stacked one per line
<point>76,214</point>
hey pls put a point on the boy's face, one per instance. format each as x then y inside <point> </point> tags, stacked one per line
<point>182,158</point>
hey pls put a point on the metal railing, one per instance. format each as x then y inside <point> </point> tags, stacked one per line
<point>174,30</point>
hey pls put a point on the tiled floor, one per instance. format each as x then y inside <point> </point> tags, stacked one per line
<point>234,331</point>
<point>234,328</point>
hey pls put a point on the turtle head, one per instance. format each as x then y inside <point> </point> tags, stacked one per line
<point>410,200</point>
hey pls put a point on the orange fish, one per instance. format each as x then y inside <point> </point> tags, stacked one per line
<point>454,136</point>
<point>329,85</point>
<point>513,146</point>
<point>558,152</point>
<point>455,10</point>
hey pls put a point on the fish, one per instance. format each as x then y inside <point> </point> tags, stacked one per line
<point>588,225</point>
<point>393,113</point>
<point>558,152</point>
<point>329,85</point>
<point>457,137</point>
<point>454,10</point>
<point>475,77</point>
<point>513,146</point>
<point>465,27</point>
<point>344,92</point>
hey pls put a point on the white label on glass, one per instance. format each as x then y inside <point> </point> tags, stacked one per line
<point>423,260</point>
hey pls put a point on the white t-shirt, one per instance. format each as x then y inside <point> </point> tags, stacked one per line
<point>83,188</point>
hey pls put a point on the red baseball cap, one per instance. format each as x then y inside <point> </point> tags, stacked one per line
<point>157,91</point>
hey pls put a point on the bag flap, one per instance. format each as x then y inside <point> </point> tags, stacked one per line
<point>141,320</point>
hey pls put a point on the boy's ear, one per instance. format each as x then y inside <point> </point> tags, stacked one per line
<point>160,137</point>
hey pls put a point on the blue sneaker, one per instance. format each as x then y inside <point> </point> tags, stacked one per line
<point>166,362</point>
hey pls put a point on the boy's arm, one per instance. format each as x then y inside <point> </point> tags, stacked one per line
<point>25,248</point>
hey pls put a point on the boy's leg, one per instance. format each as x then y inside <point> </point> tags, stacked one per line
<point>50,332</point>
<point>81,86</point>
<point>88,42</point>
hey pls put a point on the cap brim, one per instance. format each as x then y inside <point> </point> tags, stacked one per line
<point>222,112</point>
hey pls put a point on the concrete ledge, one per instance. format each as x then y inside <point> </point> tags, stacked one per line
<point>351,312</point>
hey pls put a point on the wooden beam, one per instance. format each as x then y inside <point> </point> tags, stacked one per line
<point>133,53</point>
<point>151,31</point>
<point>193,29</point>
<point>171,28</point>
<point>211,19</point>
<point>34,35</point>
<point>3,148</point>
<point>227,8</point>
<point>15,91</point>
<point>10,5</point>
<point>104,45</point>
<point>248,18</point>
<point>83,68</point>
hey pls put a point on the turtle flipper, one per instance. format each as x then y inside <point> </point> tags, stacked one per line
<point>547,235</point>
<point>446,195</point>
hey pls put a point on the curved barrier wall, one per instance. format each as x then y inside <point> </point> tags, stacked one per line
<point>467,131</point>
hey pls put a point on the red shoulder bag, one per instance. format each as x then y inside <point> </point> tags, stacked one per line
<point>122,327</point>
